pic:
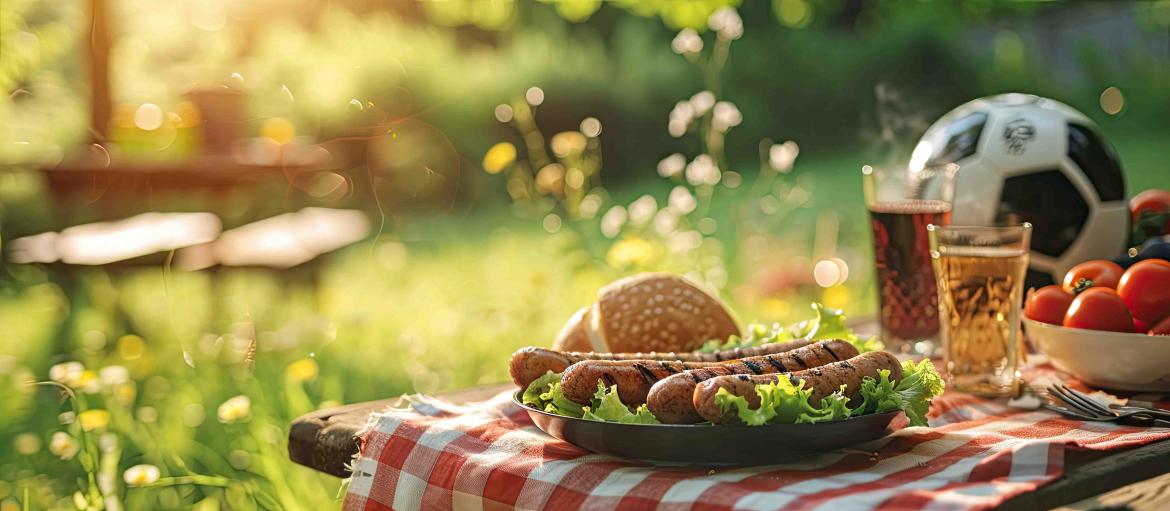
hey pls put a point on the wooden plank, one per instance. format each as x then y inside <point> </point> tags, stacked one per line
<point>1105,472</point>
<point>1149,495</point>
<point>324,440</point>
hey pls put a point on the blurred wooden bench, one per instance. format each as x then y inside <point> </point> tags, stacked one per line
<point>291,243</point>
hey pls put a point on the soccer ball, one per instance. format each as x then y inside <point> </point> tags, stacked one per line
<point>1024,158</point>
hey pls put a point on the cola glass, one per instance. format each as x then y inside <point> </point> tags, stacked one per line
<point>902,201</point>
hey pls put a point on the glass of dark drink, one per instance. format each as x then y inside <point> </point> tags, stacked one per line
<point>902,201</point>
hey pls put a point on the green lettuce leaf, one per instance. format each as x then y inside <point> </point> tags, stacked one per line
<point>829,323</point>
<point>545,393</point>
<point>920,383</point>
<point>607,407</point>
<point>785,403</point>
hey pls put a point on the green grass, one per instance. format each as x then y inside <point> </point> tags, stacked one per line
<point>437,305</point>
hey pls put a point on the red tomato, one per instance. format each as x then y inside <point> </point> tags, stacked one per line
<point>1145,288</point>
<point>1099,308</point>
<point>1152,201</point>
<point>1162,328</point>
<point>1140,326</point>
<point>1047,304</point>
<point>1101,272</point>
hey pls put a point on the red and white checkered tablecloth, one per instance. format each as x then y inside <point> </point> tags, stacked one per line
<point>976,454</point>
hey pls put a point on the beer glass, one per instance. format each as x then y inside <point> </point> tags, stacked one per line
<point>902,202</point>
<point>980,273</point>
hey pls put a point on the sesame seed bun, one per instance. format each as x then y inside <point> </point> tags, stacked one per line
<point>658,312</point>
<point>574,336</point>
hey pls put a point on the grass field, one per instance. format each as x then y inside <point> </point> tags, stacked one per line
<point>438,305</point>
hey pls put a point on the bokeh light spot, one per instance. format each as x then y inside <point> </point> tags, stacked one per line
<point>503,113</point>
<point>552,222</point>
<point>591,127</point>
<point>1112,101</point>
<point>534,96</point>
<point>279,130</point>
<point>793,13</point>
<point>148,117</point>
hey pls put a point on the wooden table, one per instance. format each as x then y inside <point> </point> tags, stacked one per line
<point>324,440</point>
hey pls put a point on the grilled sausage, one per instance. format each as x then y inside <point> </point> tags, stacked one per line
<point>822,380</point>
<point>530,363</point>
<point>632,377</point>
<point>672,399</point>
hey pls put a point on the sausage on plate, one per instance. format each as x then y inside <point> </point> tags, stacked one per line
<point>822,380</point>
<point>530,363</point>
<point>672,399</point>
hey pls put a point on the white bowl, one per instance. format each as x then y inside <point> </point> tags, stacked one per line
<point>1111,360</point>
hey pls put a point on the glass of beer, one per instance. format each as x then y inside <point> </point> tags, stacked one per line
<point>902,202</point>
<point>980,287</point>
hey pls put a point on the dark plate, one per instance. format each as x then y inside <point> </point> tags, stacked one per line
<point>708,445</point>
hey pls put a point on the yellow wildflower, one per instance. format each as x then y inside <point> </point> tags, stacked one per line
<point>302,370</point>
<point>91,420</point>
<point>499,157</point>
<point>630,252</point>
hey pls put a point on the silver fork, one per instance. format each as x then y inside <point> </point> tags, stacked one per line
<point>1135,419</point>
<point>1115,409</point>
<point>1088,409</point>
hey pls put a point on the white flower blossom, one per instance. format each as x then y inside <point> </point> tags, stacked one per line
<point>685,241</point>
<point>589,205</point>
<point>63,446</point>
<point>681,200</point>
<point>726,23</point>
<point>781,157</point>
<point>701,102</point>
<point>702,171</point>
<point>687,42</point>
<point>140,475</point>
<point>235,409</point>
<point>676,127</point>
<point>113,375</point>
<point>726,116</point>
<point>642,210</point>
<point>665,222</point>
<point>613,221</point>
<point>672,165</point>
<point>683,111</point>
<point>68,373</point>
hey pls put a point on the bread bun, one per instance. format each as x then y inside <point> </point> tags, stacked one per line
<point>574,336</point>
<point>647,312</point>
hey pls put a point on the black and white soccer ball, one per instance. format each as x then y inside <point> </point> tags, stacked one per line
<point>1024,158</point>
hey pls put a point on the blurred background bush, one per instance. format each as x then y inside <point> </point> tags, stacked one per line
<point>513,156</point>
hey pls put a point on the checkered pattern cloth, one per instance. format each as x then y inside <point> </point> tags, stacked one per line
<point>976,454</point>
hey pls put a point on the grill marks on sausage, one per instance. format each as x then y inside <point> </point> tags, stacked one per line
<point>753,367</point>
<point>668,368</point>
<point>672,398</point>
<point>647,374</point>
<point>833,353</point>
